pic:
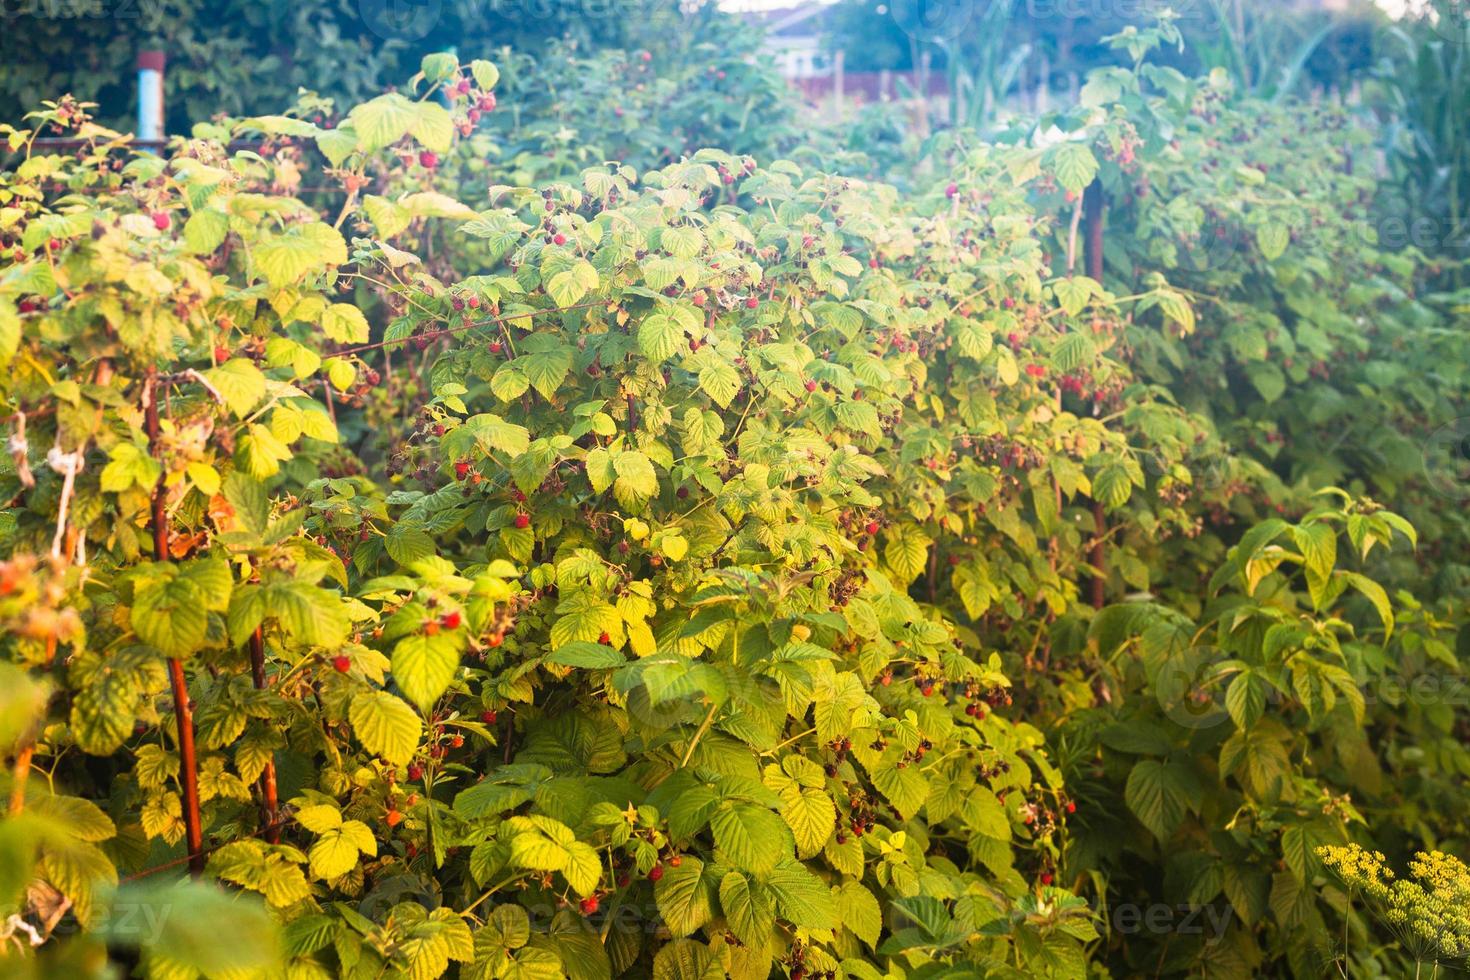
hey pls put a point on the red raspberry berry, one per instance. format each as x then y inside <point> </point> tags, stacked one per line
<point>495,639</point>
<point>871,527</point>
<point>450,620</point>
<point>697,299</point>
<point>1046,878</point>
<point>589,905</point>
<point>341,664</point>
<point>603,638</point>
<point>558,239</point>
<point>160,220</point>
<point>523,521</point>
<point>415,772</point>
<point>811,386</point>
<point>751,302</point>
<point>428,159</point>
<point>1071,807</point>
<point>488,717</point>
<point>461,469</point>
<point>952,190</point>
<point>656,873</point>
<point>496,347</point>
<point>456,742</point>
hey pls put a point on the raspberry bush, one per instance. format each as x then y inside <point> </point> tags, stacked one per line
<point>682,572</point>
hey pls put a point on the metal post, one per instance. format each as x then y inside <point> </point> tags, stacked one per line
<point>150,96</point>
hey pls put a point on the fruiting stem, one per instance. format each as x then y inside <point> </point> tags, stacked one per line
<point>709,719</point>
<point>18,781</point>
<point>1092,206</point>
<point>269,803</point>
<point>183,711</point>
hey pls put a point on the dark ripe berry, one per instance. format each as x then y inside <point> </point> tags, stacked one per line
<point>415,772</point>
<point>623,881</point>
<point>428,159</point>
<point>160,220</point>
<point>456,742</point>
<point>523,521</point>
<point>438,428</point>
<point>603,638</point>
<point>450,620</point>
<point>811,386</point>
<point>589,905</point>
<point>488,717</point>
<point>682,492</point>
<point>558,239</point>
<point>461,469</point>
<point>842,838</point>
<point>341,664</point>
<point>751,302</point>
<point>871,527</point>
<point>951,190</point>
<point>496,346</point>
<point>656,873</point>
<point>457,303</point>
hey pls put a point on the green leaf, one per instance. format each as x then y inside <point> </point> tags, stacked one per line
<point>385,726</point>
<point>382,121</point>
<point>485,73</point>
<point>169,615</point>
<point>1075,166</point>
<point>907,552</point>
<point>345,324</point>
<point>1272,238</point>
<point>205,230</point>
<point>859,912</point>
<point>424,665</point>
<point>1072,295</point>
<point>683,896</point>
<point>752,837</point>
<point>747,909</point>
<point>1160,794</point>
<point>239,383</point>
<point>659,336</point>
<point>288,258</point>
